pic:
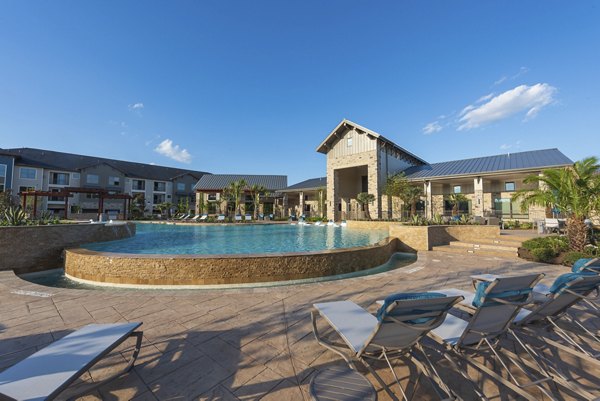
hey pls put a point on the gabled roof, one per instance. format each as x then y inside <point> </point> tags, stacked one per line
<point>310,184</point>
<point>531,160</point>
<point>347,124</point>
<point>216,182</point>
<point>72,162</point>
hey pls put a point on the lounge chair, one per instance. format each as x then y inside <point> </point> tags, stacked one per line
<point>401,322</point>
<point>195,218</point>
<point>221,217</point>
<point>47,373</point>
<point>248,217</point>
<point>238,217</point>
<point>203,217</point>
<point>182,217</point>
<point>567,290</point>
<point>591,265</point>
<point>497,303</point>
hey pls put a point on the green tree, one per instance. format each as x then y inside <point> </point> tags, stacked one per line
<point>256,191</point>
<point>165,208</point>
<point>138,206</point>
<point>455,199</point>
<point>233,193</point>
<point>364,199</point>
<point>397,186</point>
<point>321,197</point>
<point>574,190</point>
<point>201,203</point>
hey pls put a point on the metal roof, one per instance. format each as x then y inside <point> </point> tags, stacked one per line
<point>312,183</point>
<point>220,181</point>
<point>72,162</point>
<point>535,159</point>
<point>347,124</point>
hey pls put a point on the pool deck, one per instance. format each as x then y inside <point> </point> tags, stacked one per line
<point>244,344</point>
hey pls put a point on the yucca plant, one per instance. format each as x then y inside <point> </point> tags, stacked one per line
<point>574,190</point>
<point>15,216</point>
<point>364,199</point>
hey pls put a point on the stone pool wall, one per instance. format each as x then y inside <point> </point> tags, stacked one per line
<point>119,268</point>
<point>34,248</point>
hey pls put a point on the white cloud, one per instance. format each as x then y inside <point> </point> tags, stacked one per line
<point>432,128</point>
<point>136,106</point>
<point>523,98</point>
<point>166,148</point>
<point>484,98</point>
<point>505,146</point>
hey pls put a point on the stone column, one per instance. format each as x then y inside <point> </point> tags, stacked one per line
<point>333,181</point>
<point>284,206</point>
<point>373,183</point>
<point>478,205</point>
<point>301,203</point>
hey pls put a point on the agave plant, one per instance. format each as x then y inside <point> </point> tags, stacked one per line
<point>464,219</point>
<point>15,216</point>
<point>437,219</point>
<point>45,218</point>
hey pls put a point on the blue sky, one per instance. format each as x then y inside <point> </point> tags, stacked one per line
<point>254,87</point>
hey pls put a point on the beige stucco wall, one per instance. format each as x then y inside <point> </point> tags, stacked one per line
<point>35,248</point>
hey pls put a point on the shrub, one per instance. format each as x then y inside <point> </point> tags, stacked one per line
<point>572,257</point>
<point>543,254</point>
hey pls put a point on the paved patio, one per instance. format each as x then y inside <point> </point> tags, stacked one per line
<point>230,344</point>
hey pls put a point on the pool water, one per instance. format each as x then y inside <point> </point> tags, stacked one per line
<point>238,239</point>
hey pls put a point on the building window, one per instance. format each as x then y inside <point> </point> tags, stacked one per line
<point>2,176</point>
<point>92,196</point>
<point>75,176</point>
<point>305,197</point>
<point>114,181</point>
<point>26,189</point>
<point>56,198</point>
<point>138,185</point>
<point>349,141</point>
<point>212,197</point>
<point>509,186</point>
<point>159,198</point>
<point>307,208</point>
<point>181,186</point>
<point>457,189</point>
<point>159,187</point>
<point>27,173</point>
<point>92,179</point>
<point>59,178</point>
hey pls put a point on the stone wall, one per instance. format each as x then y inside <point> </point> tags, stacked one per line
<point>117,268</point>
<point>34,248</point>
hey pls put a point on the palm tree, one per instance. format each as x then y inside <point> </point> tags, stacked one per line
<point>397,186</point>
<point>234,191</point>
<point>455,199</point>
<point>574,190</point>
<point>322,197</point>
<point>410,196</point>
<point>255,191</point>
<point>365,198</point>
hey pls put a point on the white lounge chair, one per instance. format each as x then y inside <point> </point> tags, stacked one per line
<point>497,303</point>
<point>47,373</point>
<point>221,217</point>
<point>238,217</point>
<point>401,322</point>
<point>203,217</point>
<point>248,217</point>
<point>195,218</point>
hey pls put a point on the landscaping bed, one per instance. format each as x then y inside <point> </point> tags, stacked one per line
<point>555,250</point>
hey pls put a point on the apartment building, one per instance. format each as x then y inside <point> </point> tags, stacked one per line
<point>26,169</point>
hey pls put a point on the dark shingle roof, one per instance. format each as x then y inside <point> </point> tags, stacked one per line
<point>535,159</point>
<point>312,183</point>
<point>220,181</point>
<point>72,162</point>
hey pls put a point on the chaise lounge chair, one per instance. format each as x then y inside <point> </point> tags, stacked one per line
<point>221,217</point>
<point>203,217</point>
<point>496,305</point>
<point>535,322</point>
<point>47,373</point>
<point>401,322</point>
<point>238,217</point>
<point>248,217</point>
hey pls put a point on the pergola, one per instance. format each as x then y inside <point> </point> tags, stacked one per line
<point>68,193</point>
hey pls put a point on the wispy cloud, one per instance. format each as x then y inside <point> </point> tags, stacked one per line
<point>432,128</point>
<point>504,78</point>
<point>136,106</point>
<point>523,98</point>
<point>167,149</point>
<point>506,146</point>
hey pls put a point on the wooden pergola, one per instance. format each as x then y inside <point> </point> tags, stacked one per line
<point>68,193</point>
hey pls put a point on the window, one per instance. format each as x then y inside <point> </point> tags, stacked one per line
<point>59,178</point>
<point>349,141</point>
<point>26,189</point>
<point>138,185</point>
<point>91,196</point>
<point>305,197</point>
<point>75,176</point>
<point>181,186</point>
<point>160,186</point>
<point>2,170</point>
<point>212,197</point>
<point>509,186</point>
<point>56,198</point>
<point>307,208</point>
<point>92,179</point>
<point>1,187</point>
<point>159,198</point>
<point>27,173</point>
<point>114,181</point>
<point>457,189</point>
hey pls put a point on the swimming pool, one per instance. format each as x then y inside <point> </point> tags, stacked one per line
<point>170,239</point>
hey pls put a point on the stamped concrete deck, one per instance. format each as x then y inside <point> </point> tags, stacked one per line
<point>229,344</point>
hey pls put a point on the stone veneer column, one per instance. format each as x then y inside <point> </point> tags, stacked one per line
<point>478,196</point>
<point>301,202</point>
<point>333,179</point>
<point>373,186</point>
